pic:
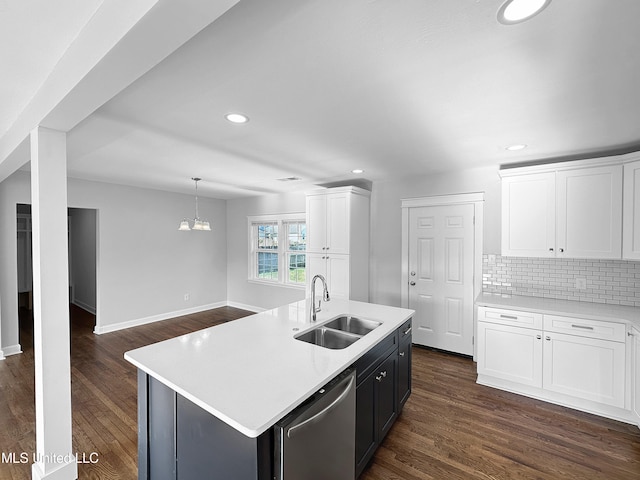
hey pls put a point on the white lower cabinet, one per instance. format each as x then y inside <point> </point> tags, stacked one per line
<point>576,362</point>
<point>585,368</point>
<point>335,269</point>
<point>635,404</point>
<point>522,346</point>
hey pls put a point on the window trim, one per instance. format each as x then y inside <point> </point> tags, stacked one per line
<point>281,220</point>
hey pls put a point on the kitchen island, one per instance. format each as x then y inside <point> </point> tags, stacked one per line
<point>238,379</point>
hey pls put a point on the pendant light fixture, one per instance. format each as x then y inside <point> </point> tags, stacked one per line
<point>198,224</point>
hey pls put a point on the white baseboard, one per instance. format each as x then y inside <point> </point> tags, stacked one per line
<point>84,306</point>
<point>11,350</point>
<point>244,306</point>
<point>155,318</point>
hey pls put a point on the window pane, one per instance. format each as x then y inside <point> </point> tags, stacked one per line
<point>297,268</point>
<point>297,236</point>
<point>268,236</point>
<point>268,266</point>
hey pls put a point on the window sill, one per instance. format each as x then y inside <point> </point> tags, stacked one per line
<point>276,284</point>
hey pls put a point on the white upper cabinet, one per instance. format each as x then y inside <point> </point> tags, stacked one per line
<point>563,212</point>
<point>529,215</point>
<point>589,212</point>
<point>631,228</point>
<point>328,222</point>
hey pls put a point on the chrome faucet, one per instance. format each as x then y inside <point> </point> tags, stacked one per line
<point>325,295</point>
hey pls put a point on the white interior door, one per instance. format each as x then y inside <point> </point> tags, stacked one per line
<point>441,260</point>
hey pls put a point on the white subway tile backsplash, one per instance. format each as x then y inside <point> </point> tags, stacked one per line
<point>607,281</point>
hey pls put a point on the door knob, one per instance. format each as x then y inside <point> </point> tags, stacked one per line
<point>412,283</point>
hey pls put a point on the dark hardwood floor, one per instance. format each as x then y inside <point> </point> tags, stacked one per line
<point>451,428</point>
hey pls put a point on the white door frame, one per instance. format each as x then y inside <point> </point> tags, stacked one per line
<point>477,200</point>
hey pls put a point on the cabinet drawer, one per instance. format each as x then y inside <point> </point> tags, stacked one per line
<point>370,360</point>
<point>510,317</point>
<point>404,332</point>
<point>585,328</point>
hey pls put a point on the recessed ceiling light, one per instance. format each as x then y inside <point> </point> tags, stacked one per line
<point>516,11</point>
<point>357,170</point>
<point>236,118</point>
<point>514,148</point>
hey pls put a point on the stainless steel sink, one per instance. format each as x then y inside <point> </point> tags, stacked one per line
<point>328,338</point>
<point>350,324</point>
<point>340,332</point>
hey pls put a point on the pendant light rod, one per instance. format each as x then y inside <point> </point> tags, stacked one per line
<point>197,223</point>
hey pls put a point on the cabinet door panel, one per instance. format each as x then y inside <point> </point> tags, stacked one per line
<point>404,372</point>
<point>528,215</point>
<point>631,228</point>
<point>338,223</point>
<point>636,374</point>
<point>316,265</point>
<point>387,395</point>
<point>589,212</point>
<point>316,223</point>
<point>338,275</point>
<point>510,353</point>
<point>365,423</point>
<point>585,368</point>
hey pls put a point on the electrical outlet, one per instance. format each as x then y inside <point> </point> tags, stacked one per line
<point>581,283</point>
<point>186,297</point>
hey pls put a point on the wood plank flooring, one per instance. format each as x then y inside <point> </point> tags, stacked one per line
<point>451,428</point>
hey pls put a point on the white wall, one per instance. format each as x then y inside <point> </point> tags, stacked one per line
<point>241,292</point>
<point>145,265</point>
<point>83,257</point>
<point>386,221</point>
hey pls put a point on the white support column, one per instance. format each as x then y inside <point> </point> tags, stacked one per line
<point>51,333</point>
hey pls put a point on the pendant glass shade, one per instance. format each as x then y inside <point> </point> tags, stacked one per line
<point>198,224</point>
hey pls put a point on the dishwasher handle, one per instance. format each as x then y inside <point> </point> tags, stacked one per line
<point>321,414</point>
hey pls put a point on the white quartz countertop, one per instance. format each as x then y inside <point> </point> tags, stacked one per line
<point>588,310</point>
<point>251,372</point>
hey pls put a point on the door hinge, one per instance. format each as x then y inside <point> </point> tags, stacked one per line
<point>473,340</point>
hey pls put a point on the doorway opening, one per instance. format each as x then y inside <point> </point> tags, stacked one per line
<point>83,248</point>
<point>442,268</point>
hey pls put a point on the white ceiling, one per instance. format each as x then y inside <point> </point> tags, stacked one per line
<point>34,35</point>
<point>395,87</point>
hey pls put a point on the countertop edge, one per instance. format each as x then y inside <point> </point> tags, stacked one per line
<point>571,308</point>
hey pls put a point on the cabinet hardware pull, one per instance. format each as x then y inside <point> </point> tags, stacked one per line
<point>407,331</point>
<point>547,338</point>
<point>384,374</point>
<point>561,250</point>
<point>412,283</point>
<point>509,317</point>
<point>584,327</point>
<point>551,249</point>
<point>629,334</point>
<point>401,354</point>
<point>379,378</point>
<point>538,337</point>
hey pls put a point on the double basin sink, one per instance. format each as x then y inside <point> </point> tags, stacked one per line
<point>340,332</point>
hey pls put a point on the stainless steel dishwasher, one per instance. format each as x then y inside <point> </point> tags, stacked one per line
<point>317,441</point>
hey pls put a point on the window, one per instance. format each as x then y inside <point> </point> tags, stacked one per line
<point>277,249</point>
